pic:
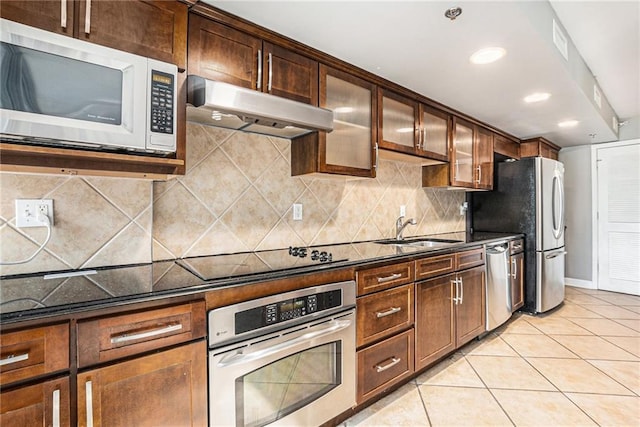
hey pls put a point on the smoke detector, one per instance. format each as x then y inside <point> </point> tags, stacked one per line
<point>453,13</point>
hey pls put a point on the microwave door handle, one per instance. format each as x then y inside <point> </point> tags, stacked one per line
<point>240,358</point>
<point>87,17</point>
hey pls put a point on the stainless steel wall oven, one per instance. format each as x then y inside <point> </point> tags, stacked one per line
<point>287,359</point>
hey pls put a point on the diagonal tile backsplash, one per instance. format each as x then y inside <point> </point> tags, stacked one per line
<point>237,195</point>
<point>98,222</point>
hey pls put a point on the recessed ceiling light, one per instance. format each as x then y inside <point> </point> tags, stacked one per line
<point>568,123</point>
<point>487,55</point>
<point>537,97</point>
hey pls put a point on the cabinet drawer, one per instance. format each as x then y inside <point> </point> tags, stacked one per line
<point>434,266</point>
<point>516,246</point>
<point>380,278</point>
<point>33,352</point>
<point>381,314</point>
<point>109,338</point>
<point>470,258</point>
<point>384,364</point>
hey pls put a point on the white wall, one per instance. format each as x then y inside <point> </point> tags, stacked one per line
<point>578,199</point>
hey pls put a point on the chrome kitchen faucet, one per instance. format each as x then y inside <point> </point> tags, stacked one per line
<point>401,226</point>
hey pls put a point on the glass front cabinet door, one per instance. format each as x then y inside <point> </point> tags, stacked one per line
<point>462,154</point>
<point>398,123</point>
<point>350,149</point>
<point>435,127</point>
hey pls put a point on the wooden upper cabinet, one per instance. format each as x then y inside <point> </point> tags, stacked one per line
<point>434,133</point>
<point>397,122</point>
<point>350,148</point>
<point>539,147</point>
<point>506,147</point>
<point>471,162</point>
<point>289,75</point>
<point>55,16</point>
<point>483,159</point>
<point>217,52</point>
<point>221,53</point>
<point>153,28</point>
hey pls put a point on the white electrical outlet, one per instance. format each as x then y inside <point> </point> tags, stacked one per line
<point>403,210</point>
<point>297,211</point>
<point>27,212</point>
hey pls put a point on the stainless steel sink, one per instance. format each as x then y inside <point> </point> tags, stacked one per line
<point>425,243</point>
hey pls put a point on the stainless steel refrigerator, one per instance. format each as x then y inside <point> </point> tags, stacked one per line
<point>528,197</point>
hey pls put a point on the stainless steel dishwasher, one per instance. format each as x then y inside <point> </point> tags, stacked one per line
<point>498,284</point>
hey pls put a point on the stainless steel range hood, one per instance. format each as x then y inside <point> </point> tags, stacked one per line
<point>221,104</point>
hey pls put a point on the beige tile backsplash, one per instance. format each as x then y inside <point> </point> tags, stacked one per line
<point>237,195</point>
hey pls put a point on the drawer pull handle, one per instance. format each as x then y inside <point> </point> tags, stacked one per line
<point>389,278</point>
<point>147,334</point>
<point>389,312</point>
<point>14,359</point>
<point>382,368</point>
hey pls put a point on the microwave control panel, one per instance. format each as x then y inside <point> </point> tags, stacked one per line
<point>162,98</point>
<point>289,309</point>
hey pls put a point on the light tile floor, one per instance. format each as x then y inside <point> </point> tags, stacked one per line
<point>576,366</point>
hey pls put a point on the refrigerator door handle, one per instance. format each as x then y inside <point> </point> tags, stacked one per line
<point>555,254</point>
<point>557,209</point>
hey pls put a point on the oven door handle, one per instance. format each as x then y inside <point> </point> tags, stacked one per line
<point>238,358</point>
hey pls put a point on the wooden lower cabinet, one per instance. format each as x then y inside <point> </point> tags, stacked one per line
<point>383,314</point>
<point>434,320</point>
<point>164,388</point>
<point>384,364</point>
<point>42,404</point>
<point>450,311</point>
<point>470,309</point>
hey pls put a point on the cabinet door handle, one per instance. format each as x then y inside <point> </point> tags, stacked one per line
<point>382,368</point>
<point>88,388</point>
<point>514,268</point>
<point>457,170</point>
<point>146,334</point>
<point>259,82</point>
<point>14,359</point>
<point>270,72</point>
<point>419,147</point>
<point>455,298</point>
<point>377,149</point>
<point>479,174</point>
<point>389,312</point>
<point>87,18</point>
<point>63,13</point>
<point>389,278</point>
<point>56,408</point>
<point>461,290</point>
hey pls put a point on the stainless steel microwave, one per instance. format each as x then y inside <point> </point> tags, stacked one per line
<point>61,91</point>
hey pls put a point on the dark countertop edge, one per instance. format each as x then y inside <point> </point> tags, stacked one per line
<point>81,307</point>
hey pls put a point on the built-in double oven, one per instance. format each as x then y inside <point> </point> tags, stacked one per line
<point>287,359</point>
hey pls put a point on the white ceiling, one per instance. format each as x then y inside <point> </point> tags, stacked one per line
<point>413,44</point>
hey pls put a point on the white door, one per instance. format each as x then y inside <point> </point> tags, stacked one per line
<point>618,202</point>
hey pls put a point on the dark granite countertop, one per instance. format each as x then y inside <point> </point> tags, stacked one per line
<point>33,296</point>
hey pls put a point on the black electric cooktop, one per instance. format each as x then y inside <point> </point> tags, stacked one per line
<point>249,263</point>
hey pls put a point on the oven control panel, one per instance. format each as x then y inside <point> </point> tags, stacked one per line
<point>255,318</point>
<point>289,309</point>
